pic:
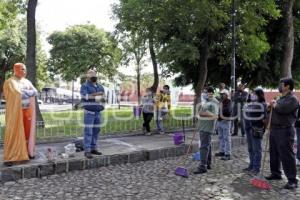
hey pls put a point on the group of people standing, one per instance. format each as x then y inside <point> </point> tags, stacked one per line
<point>281,114</point>
<point>158,105</point>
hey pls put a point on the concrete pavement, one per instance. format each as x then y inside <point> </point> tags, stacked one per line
<point>119,150</point>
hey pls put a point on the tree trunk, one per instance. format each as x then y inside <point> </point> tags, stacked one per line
<point>138,70</point>
<point>31,49</point>
<point>2,76</point>
<point>202,74</point>
<point>154,63</point>
<point>288,50</point>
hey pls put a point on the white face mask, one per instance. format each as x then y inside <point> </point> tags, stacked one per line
<point>253,97</point>
<point>205,96</point>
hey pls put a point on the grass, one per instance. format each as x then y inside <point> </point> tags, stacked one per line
<point>114,121</point>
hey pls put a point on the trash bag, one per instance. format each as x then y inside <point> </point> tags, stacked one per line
<point>79,145</point>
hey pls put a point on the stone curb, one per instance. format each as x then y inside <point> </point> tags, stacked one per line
<point>39,170</point>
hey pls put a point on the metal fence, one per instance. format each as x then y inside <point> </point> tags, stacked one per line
<point>74,128</point>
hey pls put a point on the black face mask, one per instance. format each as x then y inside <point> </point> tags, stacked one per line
<point>94,79</point>
<point>280,88</point>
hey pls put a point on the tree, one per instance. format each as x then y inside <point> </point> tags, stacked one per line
<point>198,33</point>
<point>81,47</point>
<point>134,48</point>
<point>31,51</point>
<point>31,41</point>
<point>268,69</point>
<point>288,26</point>
<point>9,9</point>
<point>140,17</point>
<point>13,49</point>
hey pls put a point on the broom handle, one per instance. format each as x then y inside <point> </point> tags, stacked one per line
<point>267,142</point>
<point>183,129</point>
<point>190,147</point>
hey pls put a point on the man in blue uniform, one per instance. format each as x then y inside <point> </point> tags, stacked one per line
<point>92,97</point>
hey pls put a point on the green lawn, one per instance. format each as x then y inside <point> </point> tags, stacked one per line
<point>70,123</point>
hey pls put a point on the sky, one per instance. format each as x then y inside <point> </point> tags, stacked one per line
<point>53,15</point>
<point>57,15</point>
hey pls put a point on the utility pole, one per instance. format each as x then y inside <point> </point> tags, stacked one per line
<point>233,32</point>
<point>73,94</point>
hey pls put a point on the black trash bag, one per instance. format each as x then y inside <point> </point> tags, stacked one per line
<point>79,145</point>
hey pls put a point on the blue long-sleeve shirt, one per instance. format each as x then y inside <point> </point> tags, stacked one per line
<point>88,101</point>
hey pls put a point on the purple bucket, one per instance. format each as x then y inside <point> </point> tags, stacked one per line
<point>178,138</point>
<point>137,111</point>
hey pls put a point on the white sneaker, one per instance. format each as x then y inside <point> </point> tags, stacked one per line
<point>297,162</point>
<point>161,132</point>
<point>148,133</point>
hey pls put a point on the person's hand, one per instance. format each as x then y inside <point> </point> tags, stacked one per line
<point>272,104</point>
<point>98,94</point>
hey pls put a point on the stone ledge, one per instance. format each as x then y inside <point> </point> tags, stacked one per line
<point>16,173</point>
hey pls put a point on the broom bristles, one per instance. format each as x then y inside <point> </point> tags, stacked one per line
<point>261,184</point>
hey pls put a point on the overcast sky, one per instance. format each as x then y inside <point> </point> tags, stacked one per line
<point>53,15</point>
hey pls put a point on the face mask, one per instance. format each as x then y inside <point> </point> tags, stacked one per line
<point>280,88</point>
<point>94,79</point>
<point>253,97</point>
<point>205,96</point>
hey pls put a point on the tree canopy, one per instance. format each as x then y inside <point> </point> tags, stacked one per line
<point>193,38</point>
<point>81,47</point>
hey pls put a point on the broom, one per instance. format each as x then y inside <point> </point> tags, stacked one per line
<point>182,171</point>
<point>259,181</point>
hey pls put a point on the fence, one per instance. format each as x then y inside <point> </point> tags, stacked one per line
<point>74,128</point>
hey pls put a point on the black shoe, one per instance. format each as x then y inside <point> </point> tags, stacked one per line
<point>31,157</point>
<point>248,169</point>
<point>200,171</point>
<point>254,172</point>
<point>220,154</point>
<point>273,177</point>
<point>291,186</point>
<point>8,164</point>
<point>234,134</point>
<point>226,157</point>
<point>96,152</point>
<point>208,167</point>
<point>88,155</point>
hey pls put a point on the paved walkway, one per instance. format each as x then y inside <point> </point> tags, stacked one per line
<point>111,146</point>
<point>121,150</point>
<point>150,180</point>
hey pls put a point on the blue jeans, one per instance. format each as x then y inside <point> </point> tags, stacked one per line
<point>159,120</point>
<point>224,136</point>
<point>254,147</point>
<point>298,143</point>
<point>91,130</point>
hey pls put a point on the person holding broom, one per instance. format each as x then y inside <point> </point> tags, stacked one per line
<point>255,118</point>
<point>282,133</point>
<point>208,116</point>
